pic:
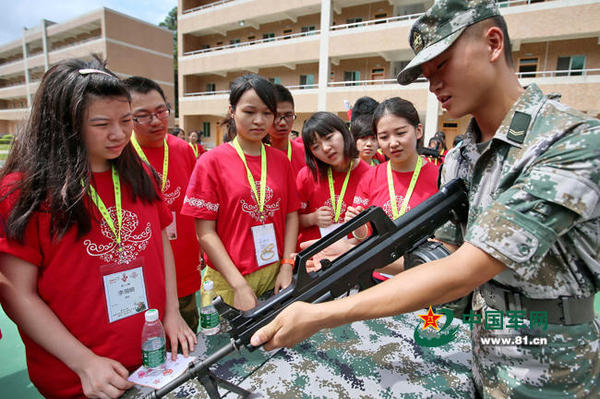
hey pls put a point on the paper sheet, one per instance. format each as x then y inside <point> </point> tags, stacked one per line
<point>157,378</point>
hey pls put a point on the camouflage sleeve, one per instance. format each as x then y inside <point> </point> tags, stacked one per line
<point>559,190</point>
<point>449,232</point>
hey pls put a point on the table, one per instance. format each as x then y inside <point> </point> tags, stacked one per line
<point>367,359</point>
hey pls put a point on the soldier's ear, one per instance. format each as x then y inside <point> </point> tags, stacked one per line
<point>495,43</point>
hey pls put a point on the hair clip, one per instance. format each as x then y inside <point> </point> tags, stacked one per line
<point>91,70</point>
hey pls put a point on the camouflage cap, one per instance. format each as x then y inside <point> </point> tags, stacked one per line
<point>439,27</point>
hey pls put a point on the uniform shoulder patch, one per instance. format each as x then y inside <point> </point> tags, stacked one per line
<point>518,127</point>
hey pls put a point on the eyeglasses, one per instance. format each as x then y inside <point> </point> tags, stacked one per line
<point>147,118</point>
<point>288,117</point>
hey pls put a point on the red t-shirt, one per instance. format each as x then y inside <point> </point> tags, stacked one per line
<point>70,280</point>
<point>219,190</point>
<point>373,189</point>
<point>315,194</point>
<point>186,247</point>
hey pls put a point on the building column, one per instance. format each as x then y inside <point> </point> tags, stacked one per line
<point>45,44</point>
<point>324,55</point>
<point>25,65</point>
<point>431,117</point>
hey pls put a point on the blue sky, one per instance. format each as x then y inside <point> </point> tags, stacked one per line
<point>17,14</point>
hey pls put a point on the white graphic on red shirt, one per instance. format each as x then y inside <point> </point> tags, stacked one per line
<point>268,210</point>
<point>133,241</point>
<point>387,207</point>
<point>342,209</point>
<point>200,203</point>
<point>170,197</point>
<point>358,200</point>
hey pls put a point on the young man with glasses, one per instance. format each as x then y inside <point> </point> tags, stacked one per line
<point>174,161</point>
<point>279,132</point>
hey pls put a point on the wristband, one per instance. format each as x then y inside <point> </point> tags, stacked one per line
<point>287,261</point>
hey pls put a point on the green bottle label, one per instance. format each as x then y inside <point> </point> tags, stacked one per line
<point>209,320</point>
<point>154,358</point>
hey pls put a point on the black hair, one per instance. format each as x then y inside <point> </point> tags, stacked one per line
<point>321,124</point>
<point>264,89</point>
<point>398,107</point>
<point>283,95</point>
<point>142,85</point>
<point>363,106</point>
<point>51,158</point>
<point>362,127</point>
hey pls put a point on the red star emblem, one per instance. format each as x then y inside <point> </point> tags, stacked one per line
<point>430,319</point>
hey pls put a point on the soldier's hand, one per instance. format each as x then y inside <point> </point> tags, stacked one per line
<point>294,324</point>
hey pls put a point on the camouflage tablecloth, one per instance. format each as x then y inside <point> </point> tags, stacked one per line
<point>368,359</point>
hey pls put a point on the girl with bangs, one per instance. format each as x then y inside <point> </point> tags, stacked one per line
<point>243,197</point>
<point>404,181</point>
<point>83,222</point>
<point>327,183</point>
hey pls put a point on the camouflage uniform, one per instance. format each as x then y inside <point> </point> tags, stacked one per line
<point>534,197</point>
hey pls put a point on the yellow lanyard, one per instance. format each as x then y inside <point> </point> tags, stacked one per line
<point>104,212</point>
<point>290,151</point>
<point>263,175</point>
<point>411,187</point>
<point>195,149</point>
<point>338,207</point>
<point>165,169</point>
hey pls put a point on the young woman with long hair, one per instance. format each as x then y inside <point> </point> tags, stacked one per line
<point>82,241</point>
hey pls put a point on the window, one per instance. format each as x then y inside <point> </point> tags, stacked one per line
<point>528,67</point>
<point>380,16</point>
<point>275,80</point>
<point>573,65</point>
<point>234,42</point>
<point>269,37</point>
<point>307,80</point>
<point>354,20</point>
<point>206,129</point>
<point>211,87</point>
<point>377,74</point>
<point>219,44</point>
<point>205,46</point>
<point>287,33</point>
<point>251,38</point>
<point>351,76</point>
<point>308,29</point>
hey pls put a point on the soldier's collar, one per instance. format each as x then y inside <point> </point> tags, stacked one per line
<point>515,125</point>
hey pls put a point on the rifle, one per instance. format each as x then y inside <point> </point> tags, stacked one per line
<point>389,241</point>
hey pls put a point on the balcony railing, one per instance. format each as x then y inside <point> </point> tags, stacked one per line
<point>202,7</point>
<point>380,82</point>
<point>260,41</point>
<point>559,74</point>
<point>376,22</point>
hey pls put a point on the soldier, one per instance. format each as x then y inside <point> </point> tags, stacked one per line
<point>530,245</point>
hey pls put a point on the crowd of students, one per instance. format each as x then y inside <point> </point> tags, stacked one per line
<point>114,215</point>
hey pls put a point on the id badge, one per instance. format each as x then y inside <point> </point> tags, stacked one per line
<point>265,244</point>
<point>172,228</point>
<point>125,289</point>
<point>326,230</point>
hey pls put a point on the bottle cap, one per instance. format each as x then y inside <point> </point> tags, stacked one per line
<point>208,285</point>
<point>151,315</point>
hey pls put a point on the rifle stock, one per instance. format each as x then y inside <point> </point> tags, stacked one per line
<point>389,241</point>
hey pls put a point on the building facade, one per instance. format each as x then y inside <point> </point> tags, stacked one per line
<point>130,46</point>
<point>360,46</point>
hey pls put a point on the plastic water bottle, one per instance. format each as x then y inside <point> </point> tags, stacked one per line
<point>154,353</point>
<point>209,317</point>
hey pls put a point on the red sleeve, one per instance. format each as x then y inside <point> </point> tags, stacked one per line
<point>362,196</point>
<point>303,184</point>
<point>30,250</point>
<point>202,196</point>
<point>293,199</point>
